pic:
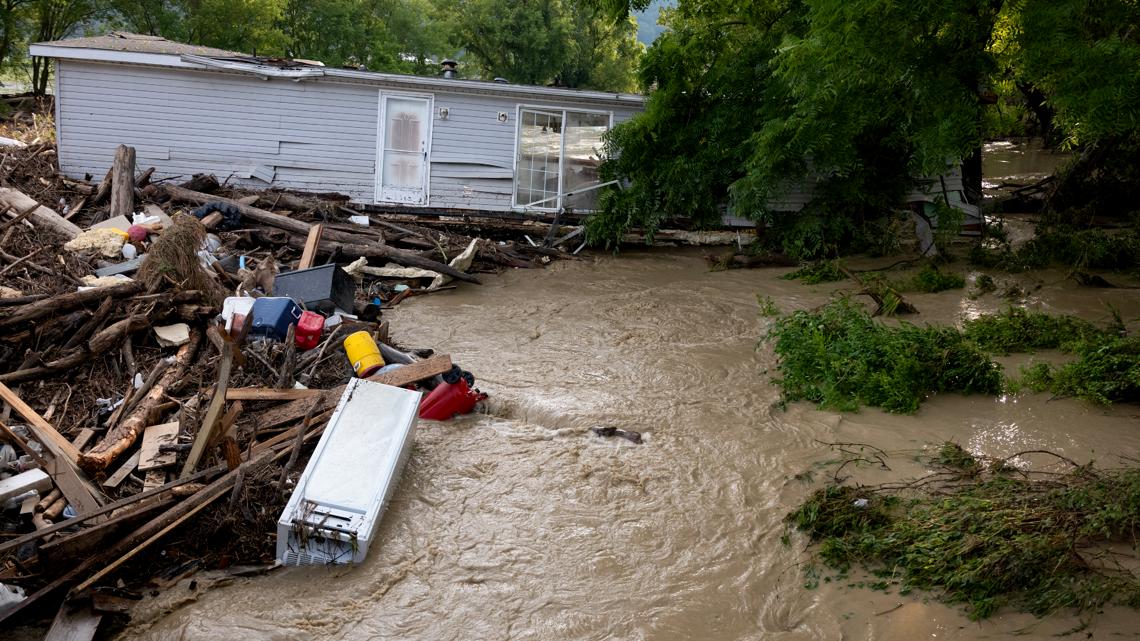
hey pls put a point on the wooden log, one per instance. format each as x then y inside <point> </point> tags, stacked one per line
<point>103,341</point>
<point>144,179</point>
<point>55,305</point>
<point>104,189</point>
<point>42,217</point>
<point>309,255</point>
<point>46,501</point>
<point>123,182</point>
<point>299,230</point>
<point>118,440</point>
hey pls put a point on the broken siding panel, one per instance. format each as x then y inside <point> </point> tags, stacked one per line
<point>477,194</point>
<point>296,135</point>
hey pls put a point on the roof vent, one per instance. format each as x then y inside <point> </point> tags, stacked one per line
<point>450,68</point>
<point>503,81</point>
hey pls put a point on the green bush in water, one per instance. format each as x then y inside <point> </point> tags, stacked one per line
<point>825,271</point>
<point>983,537</point>
<point>1018,330</point>
<point>1107,370</point>
<point>930,280</point>
<point>841,358</point>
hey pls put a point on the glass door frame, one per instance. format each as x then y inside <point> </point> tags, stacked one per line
<point>546,109</point>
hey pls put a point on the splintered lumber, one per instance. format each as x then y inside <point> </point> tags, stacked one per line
<point>83,438</point>
<point>124,435</point>
<point>154,437</point>
<point>55,305</point>
<point>104,189</point>
<point>213,413</point>
<point>123,182</point>
<point>309,255</point>
<point>42,217</point>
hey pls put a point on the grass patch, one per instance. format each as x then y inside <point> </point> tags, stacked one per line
<point>1019,330</point>
<point>825,271</point>
<point>975,534</point>
<point>841,358</point>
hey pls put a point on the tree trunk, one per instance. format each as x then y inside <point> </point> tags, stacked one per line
<point>42,217</point>
<point>124,436</point>
<point>123,182</point>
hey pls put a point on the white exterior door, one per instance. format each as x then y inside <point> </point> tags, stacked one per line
<point>405,135</point>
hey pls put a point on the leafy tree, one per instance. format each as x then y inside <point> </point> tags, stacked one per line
<point>52,20</point>
<point>383,36</point>
<point>239,25</point>
<point>524,41</point>
<point>572,43</point>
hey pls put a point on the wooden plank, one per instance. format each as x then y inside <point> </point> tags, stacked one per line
<point>63,473</point>
<point>213,413</point>
<point>124,471</point>
<point>309,254</point>
<point>44,432</point>
<point>154,479</point>
<point>268,394</point>
<point>74,623</point>
<point>154,438</point>
<point>110,507</point>
<point>83,438</point>
<point>413,372</point>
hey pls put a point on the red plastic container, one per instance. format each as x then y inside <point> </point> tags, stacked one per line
<point>308,332</point>
<point>449,399</point>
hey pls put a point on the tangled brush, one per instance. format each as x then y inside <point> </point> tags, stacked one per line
<point>173,261</point>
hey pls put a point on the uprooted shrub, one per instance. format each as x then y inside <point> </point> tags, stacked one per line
<point>1019,330</point>
<point>974,533</point>
<point>1106,370</point>
<point>841,358</point>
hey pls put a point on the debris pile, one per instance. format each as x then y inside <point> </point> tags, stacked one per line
<point>170,355</point>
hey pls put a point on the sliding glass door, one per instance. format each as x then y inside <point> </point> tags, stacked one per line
<point>556,165</point>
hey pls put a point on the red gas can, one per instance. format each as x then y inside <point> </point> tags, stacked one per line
<point>449,399</point>
<point>308,332</point>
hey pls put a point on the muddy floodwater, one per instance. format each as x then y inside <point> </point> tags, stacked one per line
<point>521,524</point>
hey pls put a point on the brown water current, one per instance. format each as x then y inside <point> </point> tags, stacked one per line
<point>519,523</point>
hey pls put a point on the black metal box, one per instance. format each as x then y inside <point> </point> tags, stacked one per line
<point>320,289</point>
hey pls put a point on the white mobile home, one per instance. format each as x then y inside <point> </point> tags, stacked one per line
<point>386,139</point>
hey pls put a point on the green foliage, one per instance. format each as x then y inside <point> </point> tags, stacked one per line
<point>768,307</point>
<point>984,284</point>
<point>824,271</point>
<point>1065,245</point>
<point>841,358</point>
<point>930,280</point>
<point>572,43</point>
<point>1019,330</point>
<point>1106,370</point>
<point>984,539</point>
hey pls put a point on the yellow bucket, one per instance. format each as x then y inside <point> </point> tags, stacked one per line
<point>363,353</point>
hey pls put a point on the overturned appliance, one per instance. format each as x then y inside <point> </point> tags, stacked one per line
<point>335,510</point>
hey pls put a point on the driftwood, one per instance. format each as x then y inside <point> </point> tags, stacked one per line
<point>123,182</point>
<point>102,341</point>
<point>879,295</point>
<point>213,412</point>
<point>130,429</point>
<point>41,217</point>
<point>345,242</point>
<point>57,304</point>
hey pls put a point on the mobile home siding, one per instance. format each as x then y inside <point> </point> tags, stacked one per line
<point>314,135</point>
<point>309,136</point>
